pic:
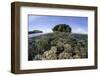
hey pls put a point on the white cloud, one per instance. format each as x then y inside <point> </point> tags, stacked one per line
<point>79,30</point>
<point>44,29</point>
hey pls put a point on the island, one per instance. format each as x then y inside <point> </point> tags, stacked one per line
<point>35,31</point>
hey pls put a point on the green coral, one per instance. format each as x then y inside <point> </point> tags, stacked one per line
<point>58,45</point>
<point>51,54</point>
<point>38,57</point>
<point>76,56</point>
<point>64,55</point>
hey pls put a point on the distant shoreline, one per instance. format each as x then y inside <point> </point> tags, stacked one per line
<point>43,34</point>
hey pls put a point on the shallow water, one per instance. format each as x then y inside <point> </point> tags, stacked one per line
<point>34,35</point>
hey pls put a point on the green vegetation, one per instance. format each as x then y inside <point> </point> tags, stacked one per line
<point>58,45</point>
<point>62,28</point>
<point>35,31</point>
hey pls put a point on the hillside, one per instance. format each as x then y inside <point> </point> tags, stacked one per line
<point>58,45</point>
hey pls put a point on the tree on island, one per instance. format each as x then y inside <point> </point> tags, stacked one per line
<point>62,28</point>
<point>35,31</point>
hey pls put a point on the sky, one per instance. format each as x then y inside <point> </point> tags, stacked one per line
<point>46,23</point>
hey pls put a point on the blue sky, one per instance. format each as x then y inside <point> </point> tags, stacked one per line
<point>46,23</point>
